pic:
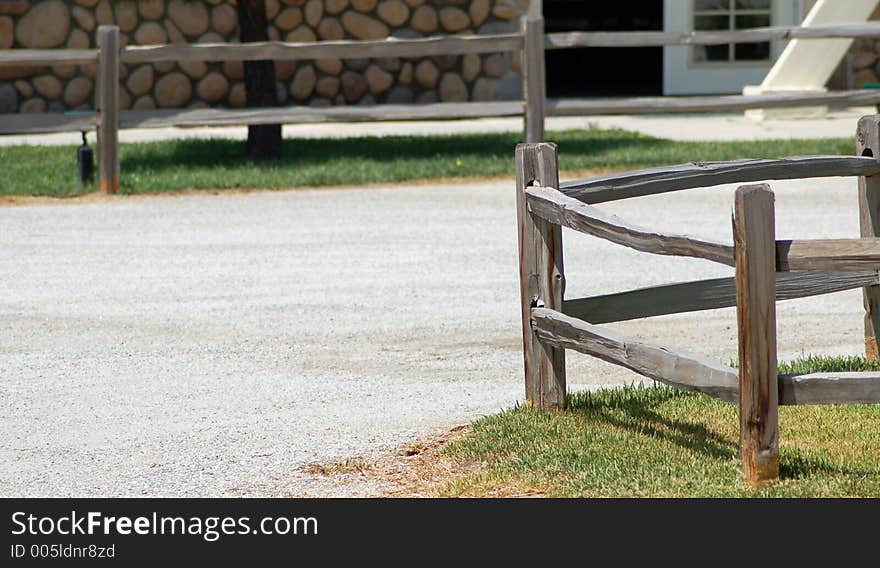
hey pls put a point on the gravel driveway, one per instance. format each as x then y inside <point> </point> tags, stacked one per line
<point>213,344</point>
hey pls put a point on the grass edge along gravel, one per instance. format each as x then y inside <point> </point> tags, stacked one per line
<point>218,164</point>
<point>656,441</point>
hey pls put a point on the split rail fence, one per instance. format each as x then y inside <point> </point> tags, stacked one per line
<point>766,271</point>
<point>529,44</point>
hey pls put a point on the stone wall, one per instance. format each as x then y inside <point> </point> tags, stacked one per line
<point>862,63</point>
<point>73,24</point>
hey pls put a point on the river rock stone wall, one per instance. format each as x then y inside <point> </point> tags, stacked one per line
<point>73,23</point>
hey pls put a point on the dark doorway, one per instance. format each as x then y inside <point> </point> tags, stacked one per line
<point>597,72</point>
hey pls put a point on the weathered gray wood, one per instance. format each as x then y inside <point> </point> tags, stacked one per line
<point>868,146</point>
<point>706,295</point>
<point>654,181</point>
<point>534,77</point>
<point>682,370</point>
<point>108,109</point>
<point>754,238</point>
<point>560,209</point>
<point>693,372</point>
<point>39,123</point>
<point>342,49</point>
<point>568,40</point>
<point>723,103</point>
<point>38,57</point>
<point>828,254</point>
<point>830,388</point>
<point>304,115</point>
<point>542,279</point>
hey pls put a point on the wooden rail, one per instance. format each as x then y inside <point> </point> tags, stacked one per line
<point>569,40</point>
<point>558,208</point>
<point>717,103</point>
<point>693,175</point>
<point>680,370</point>
<point>342,49</point>
<point>707,295</point>
<point>40,57</point>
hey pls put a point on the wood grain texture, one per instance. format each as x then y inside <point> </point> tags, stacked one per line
<point>560,209</point>
<point>108,109</point>
<point>682,370</point>
<point>692,175</point>
<point>830,388</point>
<point>693,372</point>
<point>534,78</point>
<point>341,49</point>
<point>714,103</point>
<point>39,57</point>
<point>542,280</point>
<point>305,115</point>
<point>568,40</point>
<point>754,239</point>
<point>706,295</point>
<point>39,123</point>
<point>868,147</point>
<point>828,254</point>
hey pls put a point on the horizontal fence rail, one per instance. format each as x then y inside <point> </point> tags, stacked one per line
<point>830,388</point>
<point>719,103</point>
<point>709,294</point>
<point>693,175</point>
<point>342,49</point>
<point>693,372</point>
<point>828,254</point>
<point>39,57</point>
<point>686,371</point>
<point>556,207</point>
<point>569,40</point>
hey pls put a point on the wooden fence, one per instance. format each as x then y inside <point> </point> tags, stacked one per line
<point>529,43</point>
<point>766,271</point>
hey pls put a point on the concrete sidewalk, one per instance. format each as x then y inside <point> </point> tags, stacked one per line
<point>733,126</point>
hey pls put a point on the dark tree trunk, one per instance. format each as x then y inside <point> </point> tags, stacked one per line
<point>264,141</point>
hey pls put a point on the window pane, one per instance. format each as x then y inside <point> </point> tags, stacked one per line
<point>752,51</point>
<point>753,4</point>
<point>708,5</point>
<point>704,23</point>
<point>743,22</point>
<point>705,53</point>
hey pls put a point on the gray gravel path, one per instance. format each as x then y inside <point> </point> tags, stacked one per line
<point>212,345</point>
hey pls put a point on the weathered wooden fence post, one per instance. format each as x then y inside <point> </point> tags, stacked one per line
<point>542,280</point>
<point>754,238</point>
<point>533,73</point>
<point>108,108</point>
<point>868,144</point>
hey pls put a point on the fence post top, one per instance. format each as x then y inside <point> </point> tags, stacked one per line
<point>108,29</point>
<point>746,191</point>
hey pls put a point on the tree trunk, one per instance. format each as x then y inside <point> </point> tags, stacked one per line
<point>264,141</point>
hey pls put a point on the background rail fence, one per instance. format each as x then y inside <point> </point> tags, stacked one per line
<point>766,271</point>
<point>530,43</point>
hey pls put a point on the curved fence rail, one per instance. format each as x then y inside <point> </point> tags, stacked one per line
<point>694,175</point>
<point>766,271</point>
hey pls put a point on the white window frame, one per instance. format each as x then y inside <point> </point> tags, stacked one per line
<point>683,76</point>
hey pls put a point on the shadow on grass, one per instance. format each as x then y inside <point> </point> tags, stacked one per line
<point>642,418</point>
<point>209,152</point>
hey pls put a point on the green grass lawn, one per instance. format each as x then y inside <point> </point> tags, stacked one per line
<point>218,164</point>
<point>663,442</point>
